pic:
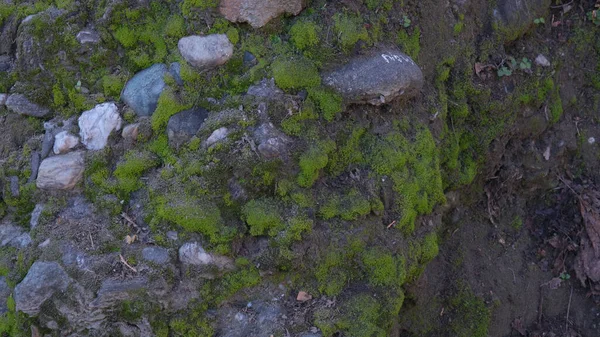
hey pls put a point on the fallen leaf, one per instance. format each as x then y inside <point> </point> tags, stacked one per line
<point>517,324</point>
<point>303,297</point>
<point>591,219</point>
<point>555,242</point>
<point>554,283</point>
<point>130,239</point>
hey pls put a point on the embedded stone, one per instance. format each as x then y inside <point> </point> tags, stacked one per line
<point>97,124</point>
<point>206,51</point>
<point>143,90</point>
<point>42,281</point>
<point>258,12</point>
<point>61,172</point>
<point>21,105</point>
<point>64,142</point>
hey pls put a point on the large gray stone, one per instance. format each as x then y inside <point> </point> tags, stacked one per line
<point>184,125</point>
<point>258,12</point>
<point>13,236</point>
<point>156,255</point>
<point>142,91</point>
<point>97,124</point>
<point>377,78</point>
<point>515,17</point>
<point>205,52</point>
<point>43,280</point>
<point>61,172</point>
<point>20,104</point>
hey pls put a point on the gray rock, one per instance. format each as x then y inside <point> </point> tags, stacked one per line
<point>14,186</point>
<point>13,236</point>
<point>193,253</point>
<point>249,59</point>
<point>265,88</point>
<point>377,78</point>
<point>142,91</point>
<point>272,143</point>
<point>6,63</point>
<point>172,235</point>
<point>175,71</point>
<point>259,12</point>
<point>20,104</point>
<point>61,172</point>
<point>97,124</point>
<point>35,166</point>
<point>4,294</point>
<point>3,98</point>
<point>8,33</point>
<point>35,215</point>
<point>47,143</point>
<point>115,291</point>
<point>131,131</point>
<point>515,17</point>
<point>64,142</point>
<point>541,60</point>
<point>217,136</point>
<point>88,36</point>
<point>157,255</point>
<point>205,52</point>
<point>184,125</point>
<point>43,280</point>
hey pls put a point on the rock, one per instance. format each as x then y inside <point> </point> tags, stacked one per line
<point>42,281</point>
<point>64,141</point>
<point>21,105</point>
<point>249,59</point>
<point>192,253</point>
<point>377,78</point>
<point>175,71</point>
<point>205,52</point>
<point>272,143</point>
<point>130,132</point>
<point>515,17</point>
<point>541,60</point>
<point>47,142</point>
<point>13,236</point>
<point>88,36</point>
<point>35,215</point>
<point>8,33</point>
<point>217,136</point>
<point>14,186</point>
<point>172,235</point>
<point>184,125</point>
<point>157,255</point>
<point>265,88</point>
<point>3,98</point>
<point>142,91</point>
<point>4,294</point>
<point>61,172</point>
<point>6,63</point>
<point>35,166</point>
<point>258,12</point>
<point>96,125</point>
<point>114,291</point>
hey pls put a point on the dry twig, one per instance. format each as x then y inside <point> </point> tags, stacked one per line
<point>127,264</point>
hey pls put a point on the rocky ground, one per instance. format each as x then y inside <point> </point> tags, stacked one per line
<point>299,168</point>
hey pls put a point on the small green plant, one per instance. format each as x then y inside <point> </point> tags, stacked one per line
<point>406,22</point>
<point>525,64</point>
<point>565,276</point>
<point>539,21</point>
<point>594,17</point>
<point>295,74</point>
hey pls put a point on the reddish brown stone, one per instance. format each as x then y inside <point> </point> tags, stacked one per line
<point>258,12</point>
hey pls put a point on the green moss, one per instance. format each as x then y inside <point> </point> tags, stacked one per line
<point>362,317</point>
<point>333,273</point>
<point>472,317</point>
<point>295,74</point>
<point>429,248</point>
<point>58,96</point>
<point>263,217</point>
<point>129,171</point>
<point>168,105</point>
<point>112,86</point>
<point>410,44</point>
<point>311,163</point>
<point>329,102</point>
<point>349,29</point>
<point>175,26</point>
<point>188,5</point>
<point>293,125</point>
<point>383,269</point>
<point>296,227</point>
<point>233,35</point>
<point>348,152</point>
<point>304,34</point>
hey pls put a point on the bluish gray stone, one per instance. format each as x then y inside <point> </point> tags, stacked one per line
<point>4,293</point>
<point>23,106</point>
<point>157,255</point>
<point>13,236</point>
<point>43,280</point>
<point>175,71</point>
<point>142,91</point>
<point>184,125</point>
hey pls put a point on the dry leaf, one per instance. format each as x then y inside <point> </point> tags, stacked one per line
<point>303,296</point>
<point>517,324</point>
<point>554,283</point>
<point>130,239</point>
<point>591,219</point>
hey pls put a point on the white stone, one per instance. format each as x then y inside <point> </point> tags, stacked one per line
<point>64,141</point>
<point>206,51</point>
<point>97,124</point>
<point>193,253</point>
<point>541,60</point>
<point>217,136</point>
<point>61,172</point>
<point>130,132</point>
<point>591,140</point>
<point>88,36</point>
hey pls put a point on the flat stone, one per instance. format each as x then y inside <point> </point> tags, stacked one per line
<point>61,172</point>
<point>42,281</point>
<point>515,17</point>
<point>13,236</point>
<point>64,142</point>
<point>114,291</point>
<point>216,136</point>
<point>97,124</point>
<point>184,125</point>
<point>175,71</point>
<point>205,52</point>
<point>378,78</point>
<point>88,36</point>
<point>142,91</point>
<point>14,186</point>
<point>4,294</point>
<point>258,12</point>
<point>35,215</point>
<point>157,255</point>
<point>20,104</point>
<point>35,166</point>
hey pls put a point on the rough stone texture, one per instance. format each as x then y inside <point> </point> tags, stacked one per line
<point>35,166</point>
<point>4,293</point>
<point>541,60</point>
<point>264,321</point>
<point>193,253</point>
<point>47,142</point>
<point>13,236</point>
<point>272,143</point>
<point>96,125</point>
<point>8,33</point>
<point>175,71</point>
<point>206,51</point>
<point>265,88</point>
<point>42,281</point>
<point>184,125</point>
<point>515,17</point>
<point>35,215</point>
<point>20,104</point>
<point>88,36</point>
<point>157,255</point>
<point>130,132</point>
<point>217,136</point>
<point>142,91</point>
<point>64,142</point>
<point>61,172</point>
<point>3,98</point>
<point>14,186</point>
<point>113,291</point>
<point>258,12</point>
<point>377,78</point>
<point>6,63</point>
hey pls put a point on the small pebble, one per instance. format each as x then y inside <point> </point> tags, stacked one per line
<point>591,140</point>
<point>541,60</point>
